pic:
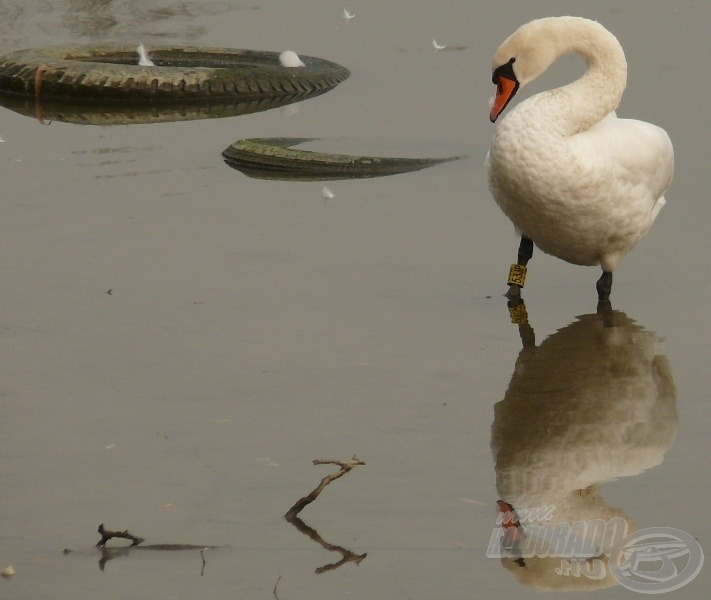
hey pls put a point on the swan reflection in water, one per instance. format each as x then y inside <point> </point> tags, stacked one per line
<point>595,401</point>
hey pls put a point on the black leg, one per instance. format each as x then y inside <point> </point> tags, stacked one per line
<point>604,286</point>
<point>525,252</point>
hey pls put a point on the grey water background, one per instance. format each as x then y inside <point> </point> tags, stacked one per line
<point>253,327</point>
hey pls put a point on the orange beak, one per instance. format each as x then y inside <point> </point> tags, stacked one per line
<point>505,90</point>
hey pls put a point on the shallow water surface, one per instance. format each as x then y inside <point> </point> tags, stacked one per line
<point>253,326</point>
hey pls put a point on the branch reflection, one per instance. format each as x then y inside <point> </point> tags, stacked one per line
<point>347,555</point>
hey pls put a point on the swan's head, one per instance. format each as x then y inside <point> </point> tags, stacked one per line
<point>520,59</point>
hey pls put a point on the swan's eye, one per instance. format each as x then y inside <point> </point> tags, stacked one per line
<point>505,70</point>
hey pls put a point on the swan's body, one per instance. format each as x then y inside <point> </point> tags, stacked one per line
<point>584,185</point>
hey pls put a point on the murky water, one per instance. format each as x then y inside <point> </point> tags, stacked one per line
<point>253,326</point>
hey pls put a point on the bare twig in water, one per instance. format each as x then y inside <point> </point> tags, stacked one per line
<point>38,79</point>
<point>306,500</point>
<point>292,517</point>
<point>275,587</point>
<point>106,535</point>
<point>110,552</point>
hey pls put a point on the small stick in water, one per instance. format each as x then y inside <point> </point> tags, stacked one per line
<point>38,79</point>
<point>107,534</point>
<point>306,500</point>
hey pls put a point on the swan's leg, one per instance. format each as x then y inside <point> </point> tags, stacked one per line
<point>604,286</point>
<point>517,273</point>
<point>525,250</point>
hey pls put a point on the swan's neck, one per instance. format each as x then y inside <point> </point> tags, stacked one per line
<point>579,105</point>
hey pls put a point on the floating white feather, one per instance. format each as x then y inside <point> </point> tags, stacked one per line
<point>143,60</point>
<point>347,15</point>
<point>438,46</point>
<point>289,58</point>
<point>8,572</point>
<point>327,194</point>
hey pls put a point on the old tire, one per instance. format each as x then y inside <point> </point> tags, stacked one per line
<point>101,73</point>
<point>89,112</point>
<point>274,158</point>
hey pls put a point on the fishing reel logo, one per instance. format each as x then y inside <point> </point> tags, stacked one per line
<point>657,560</point>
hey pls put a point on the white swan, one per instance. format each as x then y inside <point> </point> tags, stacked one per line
<point>575,180</point>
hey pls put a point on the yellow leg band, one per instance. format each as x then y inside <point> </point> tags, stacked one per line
<point>518,314</point>
<point>517,275</point>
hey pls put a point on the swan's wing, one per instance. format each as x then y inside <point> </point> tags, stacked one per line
<point>638,155</point>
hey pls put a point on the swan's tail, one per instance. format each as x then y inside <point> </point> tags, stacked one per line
<point>657,207</point>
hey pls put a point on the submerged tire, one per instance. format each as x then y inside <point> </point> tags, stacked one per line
<point>274,158</point>
<point>180,73</point>
<point>135,113</point>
